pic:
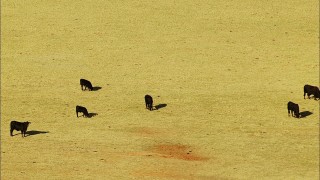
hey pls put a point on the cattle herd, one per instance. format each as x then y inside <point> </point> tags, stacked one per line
<point>85,84</point>
<point>293,108</point>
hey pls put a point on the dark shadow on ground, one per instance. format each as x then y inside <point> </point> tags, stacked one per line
<point>33,132</point>
<point>97,88</point>
<point>92,115</point>
<point>305,114</point>
<point>159,106</point>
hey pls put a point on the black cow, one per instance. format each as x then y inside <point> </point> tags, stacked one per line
<point>294,108</point>
<point>83,110</point>
<point>311,90</point>
<point>86,84</point>
<point>19,126</point>
<point>149,102</point>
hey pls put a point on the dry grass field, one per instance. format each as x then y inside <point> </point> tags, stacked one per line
<point>221,71</point>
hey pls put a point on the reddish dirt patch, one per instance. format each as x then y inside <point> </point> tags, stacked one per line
<point>182,152</point>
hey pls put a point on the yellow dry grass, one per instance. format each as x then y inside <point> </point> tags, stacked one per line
<point>225,70</point>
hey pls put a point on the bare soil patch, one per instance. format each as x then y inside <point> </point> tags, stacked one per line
<point>176,151</point>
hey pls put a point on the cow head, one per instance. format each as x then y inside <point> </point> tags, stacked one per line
<point>27,123</point>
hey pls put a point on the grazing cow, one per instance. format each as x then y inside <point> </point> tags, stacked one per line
<point>294,108</point>
<point>86,84</point>
<point>149,102</point>
<point>83,110</point>
<point>19,126</point>
<point>311,90</point>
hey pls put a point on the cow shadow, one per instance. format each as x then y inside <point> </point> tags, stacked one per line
<point>92,115</point>
<point>33,132</point>
<point>159,106</point>
<point>305,114</point>
<point>96,88</point>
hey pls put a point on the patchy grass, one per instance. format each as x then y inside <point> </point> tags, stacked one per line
<point>220,73</point>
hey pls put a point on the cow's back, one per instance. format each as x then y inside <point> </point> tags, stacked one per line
<point>311,90</point>
<point>293,106</point>
<point>13,123</point>
<point>290,105</point>
<point>148,99</point>
<point>16,125</point>
<point>79,108</point>
<point>307,87</point>
<point>81,81</point>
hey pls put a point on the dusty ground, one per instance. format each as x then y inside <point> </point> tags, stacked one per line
<point>222,71</point>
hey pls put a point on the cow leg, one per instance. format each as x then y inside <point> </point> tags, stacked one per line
<point>289,113</point>
<point>11,130</point>
<point>87,114</point>
<point>77,114</point>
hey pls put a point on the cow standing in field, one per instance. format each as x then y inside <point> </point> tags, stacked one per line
<point>311,90</point>
<point>19,126</point>
<point>149,102</point>
<point>294,108</point>
<point>83,110</point>
<point>86,84</point>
